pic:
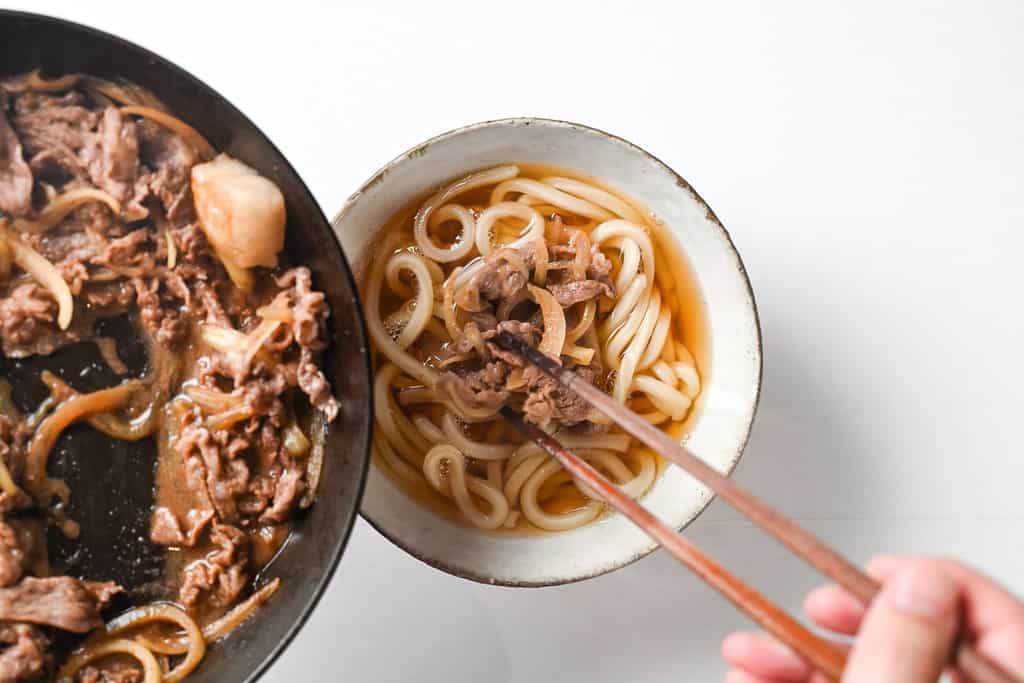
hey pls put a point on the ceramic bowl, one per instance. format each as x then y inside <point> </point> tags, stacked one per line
<point>731,380</point>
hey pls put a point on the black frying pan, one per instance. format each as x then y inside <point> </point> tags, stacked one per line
<point>112,481</point>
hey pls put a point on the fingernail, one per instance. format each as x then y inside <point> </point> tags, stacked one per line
<point>922,592</point>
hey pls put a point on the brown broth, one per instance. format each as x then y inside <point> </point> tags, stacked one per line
<point>172,493</point>
<point>684,300</point>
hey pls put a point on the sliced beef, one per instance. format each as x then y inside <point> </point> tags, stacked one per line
<point>288,489</point>
<point>547,401</point>
<point>102,591</point>
<point>54,129</point>
<point>524,330</point>
<point>600,267</point>
<point>571,293</point>
<point>309,309</point>
<point>15,175</point>
<point>165,529</point>
<point>132,253</point>
<point>18,545</point>
<point>61,601</point>
<point>112,296</point>
<point>161,311</point>
<point>215,468</point>
<point>171,160</point>
<point>221,574</point>
<point>67,242</point>
<point>115,672</point>
<point>26,654</point>
<point>191,242</point>
<point>476,389</point>
<point>315,385</point>
<point>500,277</point>
<point>112,156</point>
<point>28,322</point>
<point>506,380</point>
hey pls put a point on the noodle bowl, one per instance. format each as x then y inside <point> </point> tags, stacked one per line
<point>590,278</point>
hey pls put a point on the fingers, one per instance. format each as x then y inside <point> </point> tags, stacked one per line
<point>993,617</point>
<point>907,633</point>
<point>833,608</point>
<point>761,656</point>
<point>909,629</point>
<point>740,676</point>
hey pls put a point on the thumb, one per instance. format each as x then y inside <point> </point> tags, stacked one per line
<point>908,632</point>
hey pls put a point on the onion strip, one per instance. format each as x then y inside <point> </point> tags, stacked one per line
<point>211,400</point>
<point>36,83</point>
<point>46,274</point>
<point>230,417</point>
<point>172,248</point>
<point>151,672</point>
<point>63,204</point>
<point>75,408</point>
<point>216,630</point>
<point>196,642</point>
<point>553,340</point>
<point>175,125</point>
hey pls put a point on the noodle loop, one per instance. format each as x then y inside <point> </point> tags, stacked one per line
<point>556,259</point>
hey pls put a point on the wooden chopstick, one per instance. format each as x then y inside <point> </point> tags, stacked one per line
<point>821,654</point>
<point>968,661</point>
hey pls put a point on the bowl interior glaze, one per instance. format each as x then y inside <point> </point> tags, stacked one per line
<point>310,556</point>
<point>732,384</point>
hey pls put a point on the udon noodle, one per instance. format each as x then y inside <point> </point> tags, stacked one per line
<point>548,255</point>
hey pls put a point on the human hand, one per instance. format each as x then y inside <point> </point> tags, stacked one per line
<point>906,635</point>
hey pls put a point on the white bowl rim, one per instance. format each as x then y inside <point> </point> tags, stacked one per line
<point>417,150</point>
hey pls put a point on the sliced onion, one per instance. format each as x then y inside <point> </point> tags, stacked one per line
<point>540,260</point>
<point>175,125</point>
<point>229,417</point>
<point>69,411</point>
<point>279,313</point>
<point>63,204</point>
<point>241,348</point>
<point>7,482</point>
<point>172,248</point>
<point>46,274</point>
<point>295,441</point>
<point>255,340</point>
<point>211,400</point>
<point>90,652</point>
<point>553,340</point>
<point>6,260</point>
<point>216,630</point>
<point>37,83</point>
<point>241,277</point>
<point>195,642</point>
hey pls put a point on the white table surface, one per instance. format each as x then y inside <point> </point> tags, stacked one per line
<point>867,159</point>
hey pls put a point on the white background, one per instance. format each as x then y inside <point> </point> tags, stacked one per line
<point>867,159</point>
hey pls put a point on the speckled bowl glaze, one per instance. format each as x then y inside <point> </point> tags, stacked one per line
<point>732,380</point>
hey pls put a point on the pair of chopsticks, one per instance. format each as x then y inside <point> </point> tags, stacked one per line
<point>826,656</point>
